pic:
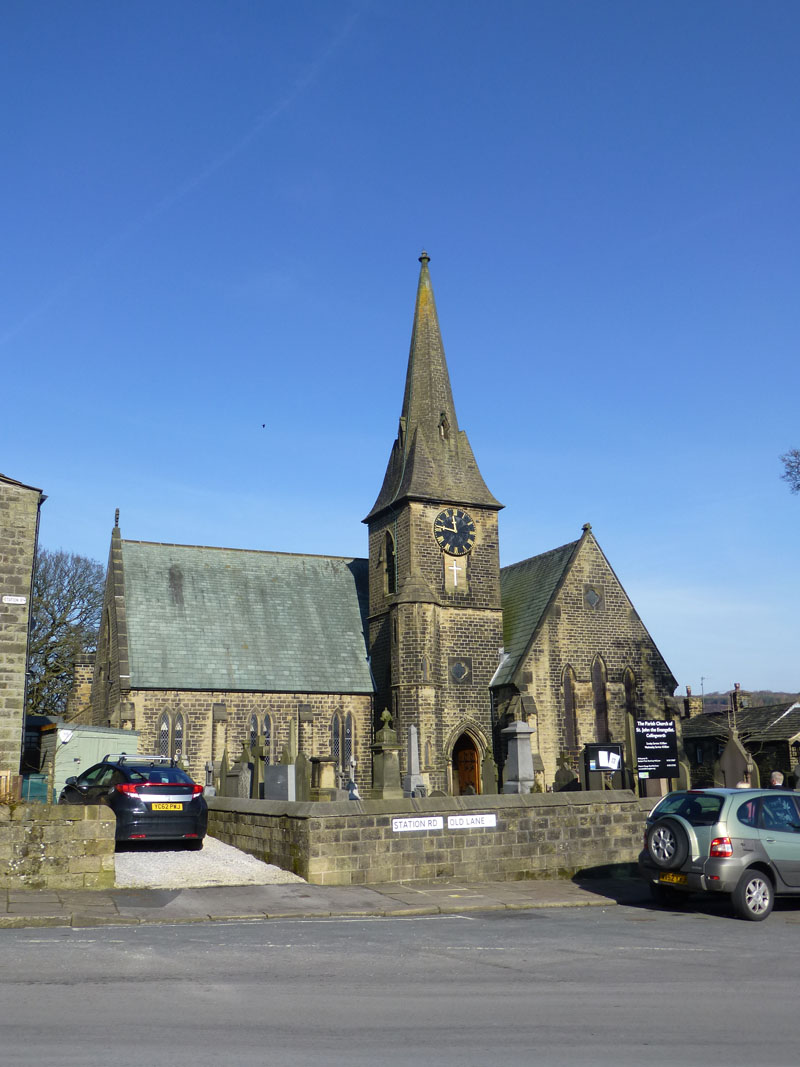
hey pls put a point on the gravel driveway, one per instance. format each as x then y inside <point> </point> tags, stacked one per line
<point>162,867</point>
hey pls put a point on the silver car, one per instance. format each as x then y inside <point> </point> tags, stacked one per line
<point>743,842</point>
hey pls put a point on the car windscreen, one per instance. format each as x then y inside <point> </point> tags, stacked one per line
<point>699,809</point>
<point>158,775</point>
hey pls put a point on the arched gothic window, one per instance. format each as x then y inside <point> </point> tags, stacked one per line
<point>253,729</point>
<point>600,700</point>
<point>178,739</point>
<point>336,738</point>
<point>164,735</point>
<point>391,564</point>
<point>629,684</point>
<point>268,739</point>
<point>347,742</point>
<point>342,740</point>
<point>171,740</point>
<point>570,715</point>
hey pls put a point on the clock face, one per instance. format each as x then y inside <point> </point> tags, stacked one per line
<point>454,531</point>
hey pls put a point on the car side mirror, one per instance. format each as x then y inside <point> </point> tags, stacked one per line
<point>71,781</point>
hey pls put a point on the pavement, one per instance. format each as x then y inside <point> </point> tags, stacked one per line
<point>130,907</point>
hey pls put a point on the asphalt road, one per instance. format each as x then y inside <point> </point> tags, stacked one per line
<point>567,987</point>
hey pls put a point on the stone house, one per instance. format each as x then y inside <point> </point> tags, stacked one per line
<point>770,735</point>
<point>203,649</point>
<point>19,530</point>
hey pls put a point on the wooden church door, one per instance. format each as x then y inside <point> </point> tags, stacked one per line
<point>466,764</point>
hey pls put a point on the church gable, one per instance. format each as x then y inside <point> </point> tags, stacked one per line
<point>579,664</point>
<point>570,601</point>
<point>593,616</point>
<point>228,619</point>
<point>527,589</point>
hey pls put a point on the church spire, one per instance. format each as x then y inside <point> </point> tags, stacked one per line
<point>428,399</point>
<point>431,458</point>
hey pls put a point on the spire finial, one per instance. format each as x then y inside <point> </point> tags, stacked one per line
<point>424,257</point>
<point>116,517</point>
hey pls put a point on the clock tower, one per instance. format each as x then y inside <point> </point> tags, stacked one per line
<point>435,621</point>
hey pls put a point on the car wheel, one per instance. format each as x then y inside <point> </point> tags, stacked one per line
<point>667,844</point>
<point>754,896</point>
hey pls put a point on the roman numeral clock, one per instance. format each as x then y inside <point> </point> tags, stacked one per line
<point>454,531</point>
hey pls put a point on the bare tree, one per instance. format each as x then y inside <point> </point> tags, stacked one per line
<point>791,469</point>
<point>65,618</point>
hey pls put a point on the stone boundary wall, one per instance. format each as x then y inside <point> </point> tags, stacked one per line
<point>45,846</point>
<point>537,835</point>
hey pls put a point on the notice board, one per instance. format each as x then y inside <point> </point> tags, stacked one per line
<point>656,749</point>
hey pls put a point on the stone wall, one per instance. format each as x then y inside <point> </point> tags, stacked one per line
<point>53,847</point>
<point>544,835</point>
<point>19,517</point>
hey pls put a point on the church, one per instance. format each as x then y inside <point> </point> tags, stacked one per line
<point>203,649</point>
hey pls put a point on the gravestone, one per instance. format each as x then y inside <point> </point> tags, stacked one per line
<point>302,778</point>
<point>735,761</point>
<point>566,780</point>
<point>488,775</point>
<point>386,762</point>
<point>518,774</point>
<point>279,782</point>
<point>413,780</point>
<point>222,779</point>
<point>293,746</point>
<point>257,752</point>
<point>323,779</point>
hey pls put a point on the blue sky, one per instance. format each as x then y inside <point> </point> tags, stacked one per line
<point>212,214</point>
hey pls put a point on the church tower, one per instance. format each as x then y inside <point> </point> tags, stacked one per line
<point>435,620</point>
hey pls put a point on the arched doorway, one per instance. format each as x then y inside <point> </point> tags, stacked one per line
<point>466,766</point>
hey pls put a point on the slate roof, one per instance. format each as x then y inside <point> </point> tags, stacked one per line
<point>20,485</point>
<point>230,619</point>
<point>777,722</point>
<point>526,589</point>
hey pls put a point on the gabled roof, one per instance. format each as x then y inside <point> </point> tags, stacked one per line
<point>19,485</point>
<point>526,590</point>
<point>229,619</point>
<point>777,722</point>
<point>431,458</point>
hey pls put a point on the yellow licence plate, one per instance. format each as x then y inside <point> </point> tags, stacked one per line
<point>167,807</point>
<point>671,877</point>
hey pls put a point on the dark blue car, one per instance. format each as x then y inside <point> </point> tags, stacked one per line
<point>152,798</point>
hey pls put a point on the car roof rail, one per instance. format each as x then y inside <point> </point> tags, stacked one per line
<point>137,757</point>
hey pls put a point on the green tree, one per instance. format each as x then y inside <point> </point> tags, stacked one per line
<point>65,619</point>
<point>791,469</point>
